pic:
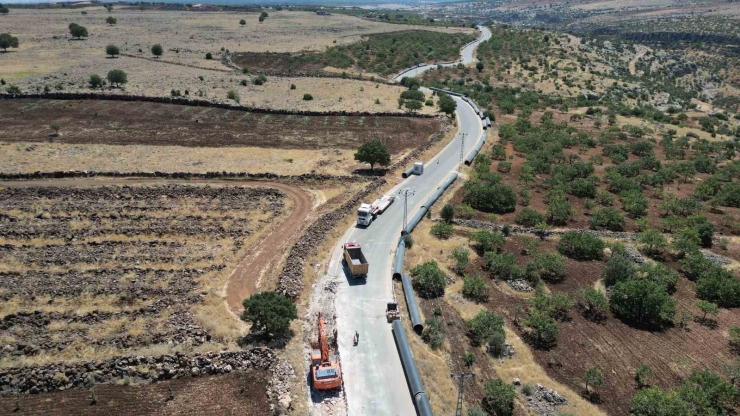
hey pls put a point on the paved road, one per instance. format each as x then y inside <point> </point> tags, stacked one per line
<point>467,53</point>
<point>374,381</point>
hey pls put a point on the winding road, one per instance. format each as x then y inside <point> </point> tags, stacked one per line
<point>467,57</point>
<point>374,380</point>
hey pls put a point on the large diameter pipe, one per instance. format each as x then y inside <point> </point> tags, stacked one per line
<point>398,266</point>
<point>432,199</point>
<point>476,149</point>
<point>413,306</point>
<point>423,407</point>
<point>408,172</point>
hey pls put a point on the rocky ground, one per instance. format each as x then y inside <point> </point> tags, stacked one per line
<point>105,271</point>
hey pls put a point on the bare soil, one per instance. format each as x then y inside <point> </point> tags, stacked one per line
<point>143,123</point>
<point>238,393</point>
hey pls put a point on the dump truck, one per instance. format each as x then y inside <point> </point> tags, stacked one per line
<point>356,261</point>
<point>326,369</point>
<point>369,212</point>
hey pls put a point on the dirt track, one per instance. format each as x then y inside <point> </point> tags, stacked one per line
<point>262,258</point>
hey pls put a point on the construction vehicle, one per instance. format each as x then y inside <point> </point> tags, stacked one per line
<point>369,212</point>
<point>391,312</point>
<point>326,369</point>
<point>356,261</point>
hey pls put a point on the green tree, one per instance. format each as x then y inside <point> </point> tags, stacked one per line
<point>654,401</point>
<point>270,313</point>
<point>559,210</point>
<point>157,50</point>
<point>618,268</point>
<point>242,22</point>
<point>496,198</point>
<point>446,104</point>
<point>652,242</point>
<point>461,255</point>
<point>550,266</point>
<point>112,50</point>
<point>441,230</point>
<point>428,279</point>
<point>413,105</point>
<point>642,302</point>
<point>475,288</point>
<point>594,304</point>
<point>498,398</point>
<point>581,246</point>
<point>7,41</point>
<point>707,307</point>
<point>77,31</point>
<point>526,174</point>
<point>527,217</point>
<point>541,328</point>
<point>447,213</point>
<point>117,77</point>
<point>373,152</point>
<point>483,325</point>
<point>643,374</point>
<point>4,10</point>
<point>607,218</point>
<point>96,81</point>
<point>111,20</point>
<point>479,66</point>
<point>434,332</point>
<point>486,241</point>
<point>593,377</point>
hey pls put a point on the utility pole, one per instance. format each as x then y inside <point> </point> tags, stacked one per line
<point>462,149</point>
<point>406,192</point>
<point>460,378</point>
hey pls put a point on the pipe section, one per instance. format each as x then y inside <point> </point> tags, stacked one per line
<point>408,292</point>
<point>398,265</point>
<point>429,202</point>
<point>408,172</point>
<point>469,158</point>
<point>423,407</point>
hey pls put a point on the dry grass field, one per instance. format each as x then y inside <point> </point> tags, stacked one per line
<point>140,136</point>
<point>95,272</point>
<point>48,58</point>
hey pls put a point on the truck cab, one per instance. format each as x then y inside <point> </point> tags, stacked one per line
<point>365,214</point>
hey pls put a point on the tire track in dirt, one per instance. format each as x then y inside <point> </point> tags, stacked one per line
<point>264,256</point>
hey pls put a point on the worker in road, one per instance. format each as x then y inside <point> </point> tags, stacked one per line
<point>357,338</point>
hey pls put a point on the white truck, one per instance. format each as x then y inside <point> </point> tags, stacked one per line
<point>368,212</point>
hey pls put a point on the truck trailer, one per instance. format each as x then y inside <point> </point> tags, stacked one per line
<point>369,212</point>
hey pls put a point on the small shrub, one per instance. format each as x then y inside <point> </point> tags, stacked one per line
<point>504,166</point>
<point>497,344</point>
<point>643,374</point>
<point>233,95</point>
<point>447,213</point>
<point>594,305</point>
<point>434,332</point>
<point>527,389</point>
<point>209,56</point>
<point>442,230</point>
<point>485,241</point>
<point>527,217</point>
<point>469,359</point>
<point>96,81</point>
<point>500,265</point>
<point>307,97</point>
<point>292,86</point>
<point>408,241</point>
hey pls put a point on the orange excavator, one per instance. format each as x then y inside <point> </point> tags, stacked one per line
<point>327,372</point>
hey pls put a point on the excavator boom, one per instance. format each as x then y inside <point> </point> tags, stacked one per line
<point>326,370</point>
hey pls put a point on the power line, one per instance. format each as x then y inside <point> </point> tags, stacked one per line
<point>461,380</point>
